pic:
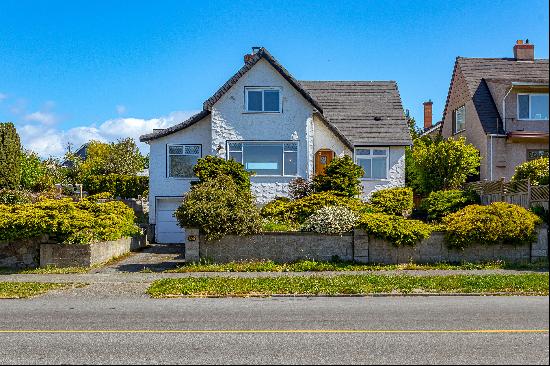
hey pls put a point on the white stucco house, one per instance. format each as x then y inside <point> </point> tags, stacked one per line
<point>281,129</point>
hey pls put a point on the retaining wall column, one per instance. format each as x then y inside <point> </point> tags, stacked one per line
<point>360,246</point>
<point>192,245</point>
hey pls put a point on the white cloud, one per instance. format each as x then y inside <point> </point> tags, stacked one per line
<point>120,109</point>
<point>3,96</point>
<point>46,118</point>
<point>48,141</point>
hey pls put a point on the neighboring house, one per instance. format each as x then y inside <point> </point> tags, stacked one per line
<point>430,129</point>
<point>81,152</point>
<point>279,128</point>
<point>501,106</point>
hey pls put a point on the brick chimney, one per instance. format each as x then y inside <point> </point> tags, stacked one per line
<point>524,51</point>
<point>249,56</point>
<point>427,114</point>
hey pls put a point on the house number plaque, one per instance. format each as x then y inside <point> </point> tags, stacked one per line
<point>191,238</point>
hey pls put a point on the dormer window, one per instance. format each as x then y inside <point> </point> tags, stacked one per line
<point>262,99</point>
<point>533,106</point>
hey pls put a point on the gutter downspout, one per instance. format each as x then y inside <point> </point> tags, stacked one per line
<point>504,109</point>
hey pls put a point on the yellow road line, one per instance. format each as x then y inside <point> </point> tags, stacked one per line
<point>222,331</point>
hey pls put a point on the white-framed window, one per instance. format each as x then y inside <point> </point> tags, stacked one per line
<point>374,161</point>
<point>181,159</point>
<point>263,99</point>
<point>266,158</point>
<point>533,106</point>
<point>459,117</point>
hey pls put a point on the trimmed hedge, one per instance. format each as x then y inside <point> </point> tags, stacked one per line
<point>123,186</point>
<point>496,223</point>
<point>393,201</point>
<point>68,222</point>
<point>218,208</point>
<point>442,203</point>
<point>285,210</point>
<point>398,230</point>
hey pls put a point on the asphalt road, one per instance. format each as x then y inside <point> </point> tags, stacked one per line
<point>367,330</point>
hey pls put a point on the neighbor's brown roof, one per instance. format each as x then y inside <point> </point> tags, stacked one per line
<point>480,71</point>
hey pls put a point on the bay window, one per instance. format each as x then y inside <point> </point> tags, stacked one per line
<point>374,162</point>
<point>533,106</point>
<point>182,159</point>
<point>266,157</point>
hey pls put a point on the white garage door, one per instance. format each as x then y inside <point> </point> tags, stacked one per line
<point>167,229</point>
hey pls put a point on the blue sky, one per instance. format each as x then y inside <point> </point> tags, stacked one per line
<point>75,70</point>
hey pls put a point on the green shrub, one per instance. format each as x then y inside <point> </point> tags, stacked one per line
<point>10,157</point>
<point>297,211</point>
<point>210,167</point>
<point>439,204</point>
<point>218,208</point>
<point>123,186</point>
<point>393,201</point>
<point>14,197</point>
<point>35,175</point>
<point>396,229</point>
<point>541,212</point>
<point>341,175</point>
<point>331,220</point>
<point>536,171</point>
<point>68,222</point>
<point>496,223</point>
<point>440,164</point>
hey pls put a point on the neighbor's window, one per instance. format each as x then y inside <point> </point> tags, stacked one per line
<point>263,99</point>
<point>532,106</point>
<point>374,162</point>
<point>266,158</point>
<point>460,119</point>
<point>182,159</point>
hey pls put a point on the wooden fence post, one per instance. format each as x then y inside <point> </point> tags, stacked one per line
<point>502,196</point>
<point>528,193</point>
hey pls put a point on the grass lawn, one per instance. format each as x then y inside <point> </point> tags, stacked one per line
<point>19,290</point>
<point>309,265</point>
<point>528,284</point>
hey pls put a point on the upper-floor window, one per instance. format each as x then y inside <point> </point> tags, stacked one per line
<point>263,99</point>
<point>266,157</point>
<point>459,117</point>
<point>374,162</point>
<point>182,159</point>
<point>532,106</point>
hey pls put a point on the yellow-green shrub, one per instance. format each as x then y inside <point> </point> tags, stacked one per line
<point>396,229</point>
<point>535,170</point>
<point>68,222</point>
<point>286,210</point>
<point>393,201</point>
<point>496,223</point>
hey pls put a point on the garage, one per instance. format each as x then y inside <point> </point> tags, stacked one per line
<point>166,228</point>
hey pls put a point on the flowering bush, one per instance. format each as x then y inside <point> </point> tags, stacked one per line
<point>331,220</point>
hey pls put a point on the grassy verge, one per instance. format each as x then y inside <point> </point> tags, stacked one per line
<point>19,290</point>
<point>308,265</point>
<point>528,284</point>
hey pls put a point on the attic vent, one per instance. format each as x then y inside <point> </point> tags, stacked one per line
<point>377,118</point>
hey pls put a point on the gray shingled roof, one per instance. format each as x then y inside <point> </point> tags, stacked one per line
<point>358,112</point>
<point>365,112</point>
<point>479,71</point>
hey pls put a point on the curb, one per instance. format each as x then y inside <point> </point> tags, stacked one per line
<point>417,294</point>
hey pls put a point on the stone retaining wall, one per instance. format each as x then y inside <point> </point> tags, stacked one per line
<point>69,255</point>
<point>21,254</point>
<point>356,246</point>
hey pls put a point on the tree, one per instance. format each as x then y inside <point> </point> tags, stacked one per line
<point>121,157</point>
<point>441,164</point>
<point>535,170</point>
<point>341,175</point>
<point>10,156</point>
<point>35,175</point>
<point>413,130</point>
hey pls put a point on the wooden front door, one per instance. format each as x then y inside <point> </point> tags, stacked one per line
<point>322,159</point>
